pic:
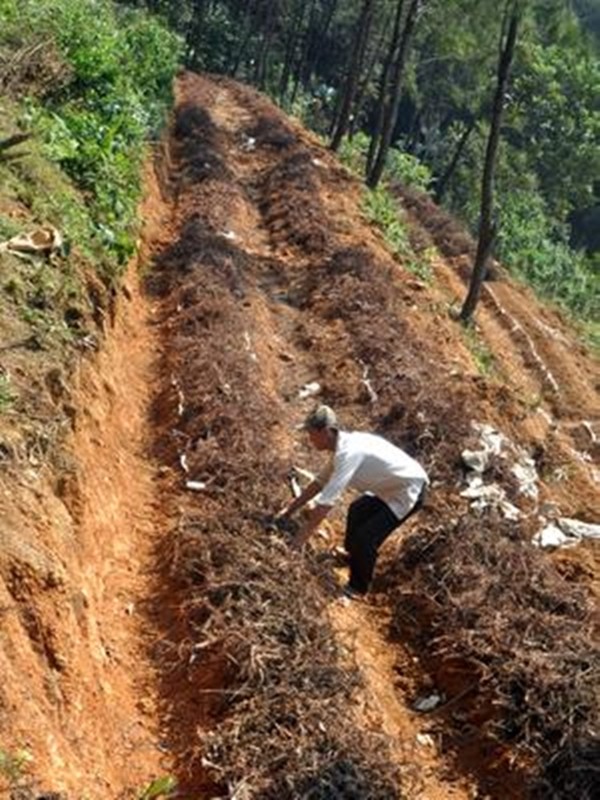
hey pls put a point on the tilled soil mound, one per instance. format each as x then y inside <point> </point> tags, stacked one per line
<point>268,286</point>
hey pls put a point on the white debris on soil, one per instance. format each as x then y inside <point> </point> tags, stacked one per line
<point>195,486</point>
<point>489,495</point>
<point>248,346</point>
<point>428,703</point>
<point>373,397</point>
<point>520,334</point>
<point>42,241</point>
<point>565,532</point>
<point>493,444</point>
<point>249,144</point>
<point>309,390</point>
<point>555,531</point>
<point>425,740</point>
<point>180,396</point>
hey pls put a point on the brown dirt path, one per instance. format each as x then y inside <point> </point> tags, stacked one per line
<point>80,573</point>
<point>293,349</point>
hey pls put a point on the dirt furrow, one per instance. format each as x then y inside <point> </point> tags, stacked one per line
<point>308,350</point>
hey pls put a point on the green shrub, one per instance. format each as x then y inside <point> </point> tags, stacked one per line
<point>408,170</point>
<point>7,398</point>
<point>539,252</point>
<point>13,766</point>
<point>353,152</point>
<point>95,125</point>
<point>400,166</point>
<point>382,208</point>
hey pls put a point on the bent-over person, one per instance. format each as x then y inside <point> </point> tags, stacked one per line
<point>392,486</point>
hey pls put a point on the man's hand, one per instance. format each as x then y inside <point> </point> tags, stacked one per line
<point>281,524</point>
<point>315,517</point>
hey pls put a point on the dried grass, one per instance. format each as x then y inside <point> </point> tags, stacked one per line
<point>283,723</point>
<point>291,206</point>
<point>508,638</point>
<point>509,641</point>
<point>270,131</point>
<point>523,639</point>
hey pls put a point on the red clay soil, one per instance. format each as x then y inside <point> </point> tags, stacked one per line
<point>133,616</point>
<point>79,688</point>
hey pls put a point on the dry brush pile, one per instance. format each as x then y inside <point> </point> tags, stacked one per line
<point>281,724</point>
<point>513,646</point>
<point>511,641</point>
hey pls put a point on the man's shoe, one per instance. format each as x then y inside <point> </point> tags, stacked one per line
<point>351,593</point>
<point>340,556</point>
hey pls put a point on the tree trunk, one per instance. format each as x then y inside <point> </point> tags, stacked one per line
<point>359,44</point>
<point>290,50</point>
<point>383,86</point>
<point>391,116</point>
<point>301,66</point>
<point>362,89</point>
<point>443,182</point>
<point>317,44</point>
<point>487,226</point>
<point>260,73</point>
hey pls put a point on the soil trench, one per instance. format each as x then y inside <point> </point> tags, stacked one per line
<point>84,609</point>
<point>290,350</point>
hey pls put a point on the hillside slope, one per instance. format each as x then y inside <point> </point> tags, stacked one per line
<point>162,628</point>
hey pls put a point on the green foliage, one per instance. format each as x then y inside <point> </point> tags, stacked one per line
<point>408,170</point>
<point>7,398</point>
<point>14,765</point>
<point>555,119</point>
<point>401,165</point>
<point>309,108</point>
<point>8,227</point>
<point>219,42</point>
<point>122,64</point>
<point>381,208</point>
<point>482,355</point>
<point>353,152</point>
<point>161,787</point>
<point>539,252</point>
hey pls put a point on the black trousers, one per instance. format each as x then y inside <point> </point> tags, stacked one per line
<point>369,523</point>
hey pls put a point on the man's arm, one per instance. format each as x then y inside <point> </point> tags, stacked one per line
<point>306,496</point>
<point>315,517</point>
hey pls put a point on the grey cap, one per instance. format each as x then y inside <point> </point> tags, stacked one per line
<point>320,418</point>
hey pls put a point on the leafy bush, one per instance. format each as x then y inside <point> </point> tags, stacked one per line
<point>408,169</point>
<point>353,152</point>
<point>122,64</point>
<point>381,207</point>
<point>13,767</point>
<point>7,398</point>
<point>539,252</point>
<point>401,166</point>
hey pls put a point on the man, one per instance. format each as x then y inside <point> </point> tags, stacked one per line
<point>393,486</point>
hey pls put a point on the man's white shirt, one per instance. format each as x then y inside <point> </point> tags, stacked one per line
<point>372,465</point>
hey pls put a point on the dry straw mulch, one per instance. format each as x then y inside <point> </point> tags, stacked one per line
<point>282,721</point>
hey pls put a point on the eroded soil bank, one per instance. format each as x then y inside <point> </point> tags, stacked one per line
<point>79,686</point>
